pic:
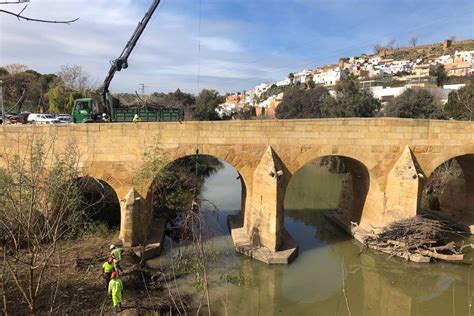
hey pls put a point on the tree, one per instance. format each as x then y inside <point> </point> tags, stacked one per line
<point>378,48</point>
<point>391,44</point>
<point>3,72</point>
<point>439,72</point>
<point>460,104</point>
<point>350,101</point>
<point>245,113</point>
<point>413,41</point>
<point>291,76</point>
<point>39,206</point>
<point>75,77</point>
<point>16,68</point>
<point>299,103</point>
<point>414,103</point>
<point>58,99</point>
<point>177,99</point>
<point>22,88</point>
<point>206,104</point>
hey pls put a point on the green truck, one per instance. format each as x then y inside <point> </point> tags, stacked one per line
<point>87,110</point>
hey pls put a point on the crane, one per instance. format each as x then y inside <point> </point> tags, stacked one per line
<point>87,110</point>
<point>122,61</point>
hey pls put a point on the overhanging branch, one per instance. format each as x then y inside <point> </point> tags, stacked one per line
<point>14,2</point>
<point>19,16</point>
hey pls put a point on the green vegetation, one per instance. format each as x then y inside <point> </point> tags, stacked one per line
<point>243,279</point>
<point>315,101</point>
<point>439,72</point>
<point>27,90</point>
<point>460,104</point>
<point>180,180</point>
<point>301,103</point>
<point>415,103</point>
<point>275,90</point>
<point>206,104</point>
<point>351,101</point>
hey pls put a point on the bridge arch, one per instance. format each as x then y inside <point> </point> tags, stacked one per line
<point>233,155</point>
<point>355,187</point>
<point>430,162</point>
<point>311,153</point>
<point>450,189</point>
<point>180,155</point>
<point>100,201</point>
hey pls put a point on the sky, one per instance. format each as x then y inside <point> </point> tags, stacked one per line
<point>242,42</point>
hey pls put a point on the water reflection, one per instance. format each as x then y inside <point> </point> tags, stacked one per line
<point>328,259</point>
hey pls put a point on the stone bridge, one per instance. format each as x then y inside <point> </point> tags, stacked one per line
<point>388,160</point>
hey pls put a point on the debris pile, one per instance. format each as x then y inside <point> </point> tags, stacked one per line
<point>418,239</point>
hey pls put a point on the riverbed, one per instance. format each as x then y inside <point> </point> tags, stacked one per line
<point>331,276</point>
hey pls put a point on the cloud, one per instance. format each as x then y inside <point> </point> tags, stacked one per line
<point>243,43</point>
<point>220,44</point>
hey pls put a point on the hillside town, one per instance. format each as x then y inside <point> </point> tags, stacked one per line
<point>387,74</point>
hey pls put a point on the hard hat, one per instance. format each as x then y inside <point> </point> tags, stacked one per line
<point>112,246</point>
<point>103,114</point>
<point>113,275</point>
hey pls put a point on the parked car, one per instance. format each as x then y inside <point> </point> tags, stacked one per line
<point>41,118</point>
<point>65,118</point>
<point>16,118</point>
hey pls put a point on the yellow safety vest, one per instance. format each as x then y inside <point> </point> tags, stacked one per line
<point>115,286</point>
<point>108,267</point>
<point>116,254</point>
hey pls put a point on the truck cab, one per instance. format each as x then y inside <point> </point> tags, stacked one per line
<point>86,110</point>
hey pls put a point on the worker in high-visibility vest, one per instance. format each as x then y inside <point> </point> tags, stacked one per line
<point>107,270</point>
<point>136,118</point>
<point>105,118</point>
<point>115,290</point>
<point>116,254</point>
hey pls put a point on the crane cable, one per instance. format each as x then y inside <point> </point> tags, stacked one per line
<point>195,204</point>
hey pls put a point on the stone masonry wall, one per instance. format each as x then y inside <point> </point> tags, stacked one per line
<point>114,152</point>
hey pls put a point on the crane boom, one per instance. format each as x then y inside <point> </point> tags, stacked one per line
<point>122,61</point>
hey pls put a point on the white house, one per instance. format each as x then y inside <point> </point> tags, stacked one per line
<point>328,77</point>
<point>445,59</point>
<point>226,109</point>
<point>261,88</point>
<point>300,77</point>
<point>386,94</point>
<point>466,56</point>
<point>283,82</point>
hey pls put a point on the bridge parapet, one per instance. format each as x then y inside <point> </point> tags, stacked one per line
<point>376,148</point>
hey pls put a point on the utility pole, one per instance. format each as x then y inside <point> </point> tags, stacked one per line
<point>1,102</point>
<point>142,87</point>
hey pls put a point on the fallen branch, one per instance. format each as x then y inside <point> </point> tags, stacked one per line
<point>441,256</point>
<point>417,239</point>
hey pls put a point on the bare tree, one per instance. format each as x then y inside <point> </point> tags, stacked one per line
<point>413,41</point>
<point>20,15</point>
<point>39,206</point>
<point>378,48</point>
<point>391,44</point>
<point>75,77</point>
<point>16,68</point>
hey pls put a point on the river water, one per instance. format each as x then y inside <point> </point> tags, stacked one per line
<point>330,276</point>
